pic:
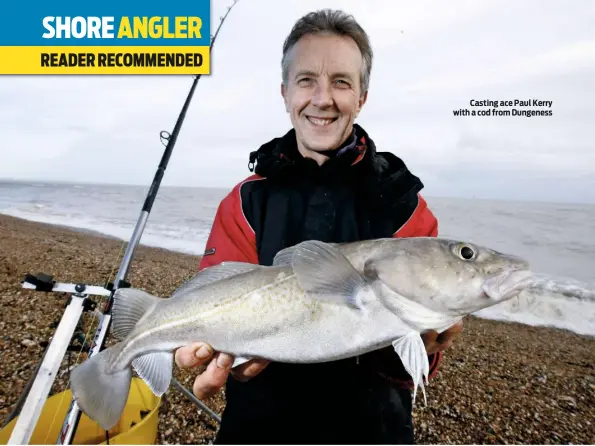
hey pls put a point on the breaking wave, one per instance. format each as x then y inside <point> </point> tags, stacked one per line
<point>186,240</point>
<point>550,302</point>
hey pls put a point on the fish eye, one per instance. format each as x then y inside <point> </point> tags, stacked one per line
<point>466,252</point>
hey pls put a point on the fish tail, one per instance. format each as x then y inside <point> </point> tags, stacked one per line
<point>100,390</point>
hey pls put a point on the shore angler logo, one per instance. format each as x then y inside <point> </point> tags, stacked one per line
<point>105,37</point>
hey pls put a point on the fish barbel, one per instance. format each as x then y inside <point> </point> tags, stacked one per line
<point>318,302</point>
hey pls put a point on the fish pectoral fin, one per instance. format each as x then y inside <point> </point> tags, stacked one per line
<point>213,274</point>
<point>324,273</point>
<point>130,305</point>
<point>412,351</point>
<point>156,370</point>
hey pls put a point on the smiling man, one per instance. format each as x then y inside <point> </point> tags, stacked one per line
<point>322,180</point>
<point>323,91</point>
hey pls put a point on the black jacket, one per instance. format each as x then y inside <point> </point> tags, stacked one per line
<point>357,194</point>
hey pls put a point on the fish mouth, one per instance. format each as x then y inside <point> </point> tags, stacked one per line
<point>507,285</point>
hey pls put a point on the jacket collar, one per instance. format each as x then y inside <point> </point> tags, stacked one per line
<point>381,176</point>
<point>280,156</point>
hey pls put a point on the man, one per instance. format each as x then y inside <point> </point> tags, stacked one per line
<point>322,180</point>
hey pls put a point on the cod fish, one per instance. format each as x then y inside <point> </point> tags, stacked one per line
<point>318,302</point>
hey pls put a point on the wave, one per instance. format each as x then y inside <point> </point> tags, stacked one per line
<point>551,302</point>
<point>180,239</point>
<point>563,287</point>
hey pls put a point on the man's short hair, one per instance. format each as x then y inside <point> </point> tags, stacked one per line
<point>334,22</point>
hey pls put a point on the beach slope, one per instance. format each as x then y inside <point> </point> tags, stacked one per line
<point>500,382</point>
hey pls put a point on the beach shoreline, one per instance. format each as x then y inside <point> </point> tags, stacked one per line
<point>502,382</point>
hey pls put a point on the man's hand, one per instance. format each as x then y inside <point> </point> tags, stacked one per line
<point>435,342</point>
<point>218,369</point>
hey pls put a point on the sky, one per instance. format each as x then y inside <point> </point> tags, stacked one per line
<point>430,58</point>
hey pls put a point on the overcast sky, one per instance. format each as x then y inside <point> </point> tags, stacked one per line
<point>431,57</point>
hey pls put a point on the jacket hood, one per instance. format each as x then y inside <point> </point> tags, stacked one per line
<point>383,176</point>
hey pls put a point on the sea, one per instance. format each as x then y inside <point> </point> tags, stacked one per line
<point>558,239</point>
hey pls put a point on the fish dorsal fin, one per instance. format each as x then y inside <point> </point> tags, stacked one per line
<point>324,273</point>
<point>213,274</point>
<point>412,351</point>
<point>285,256</point>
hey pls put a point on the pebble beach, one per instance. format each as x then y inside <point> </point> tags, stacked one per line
<point>500,383</point>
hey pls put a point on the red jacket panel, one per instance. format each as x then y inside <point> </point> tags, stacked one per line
<point>231,238</point>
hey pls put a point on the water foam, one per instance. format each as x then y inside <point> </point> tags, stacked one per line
<point>551,302</point>
<point>182,239</point>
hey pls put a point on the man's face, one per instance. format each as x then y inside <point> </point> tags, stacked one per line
<point>323,93</point>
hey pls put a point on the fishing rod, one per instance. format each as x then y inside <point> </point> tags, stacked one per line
<point>79,302</point>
